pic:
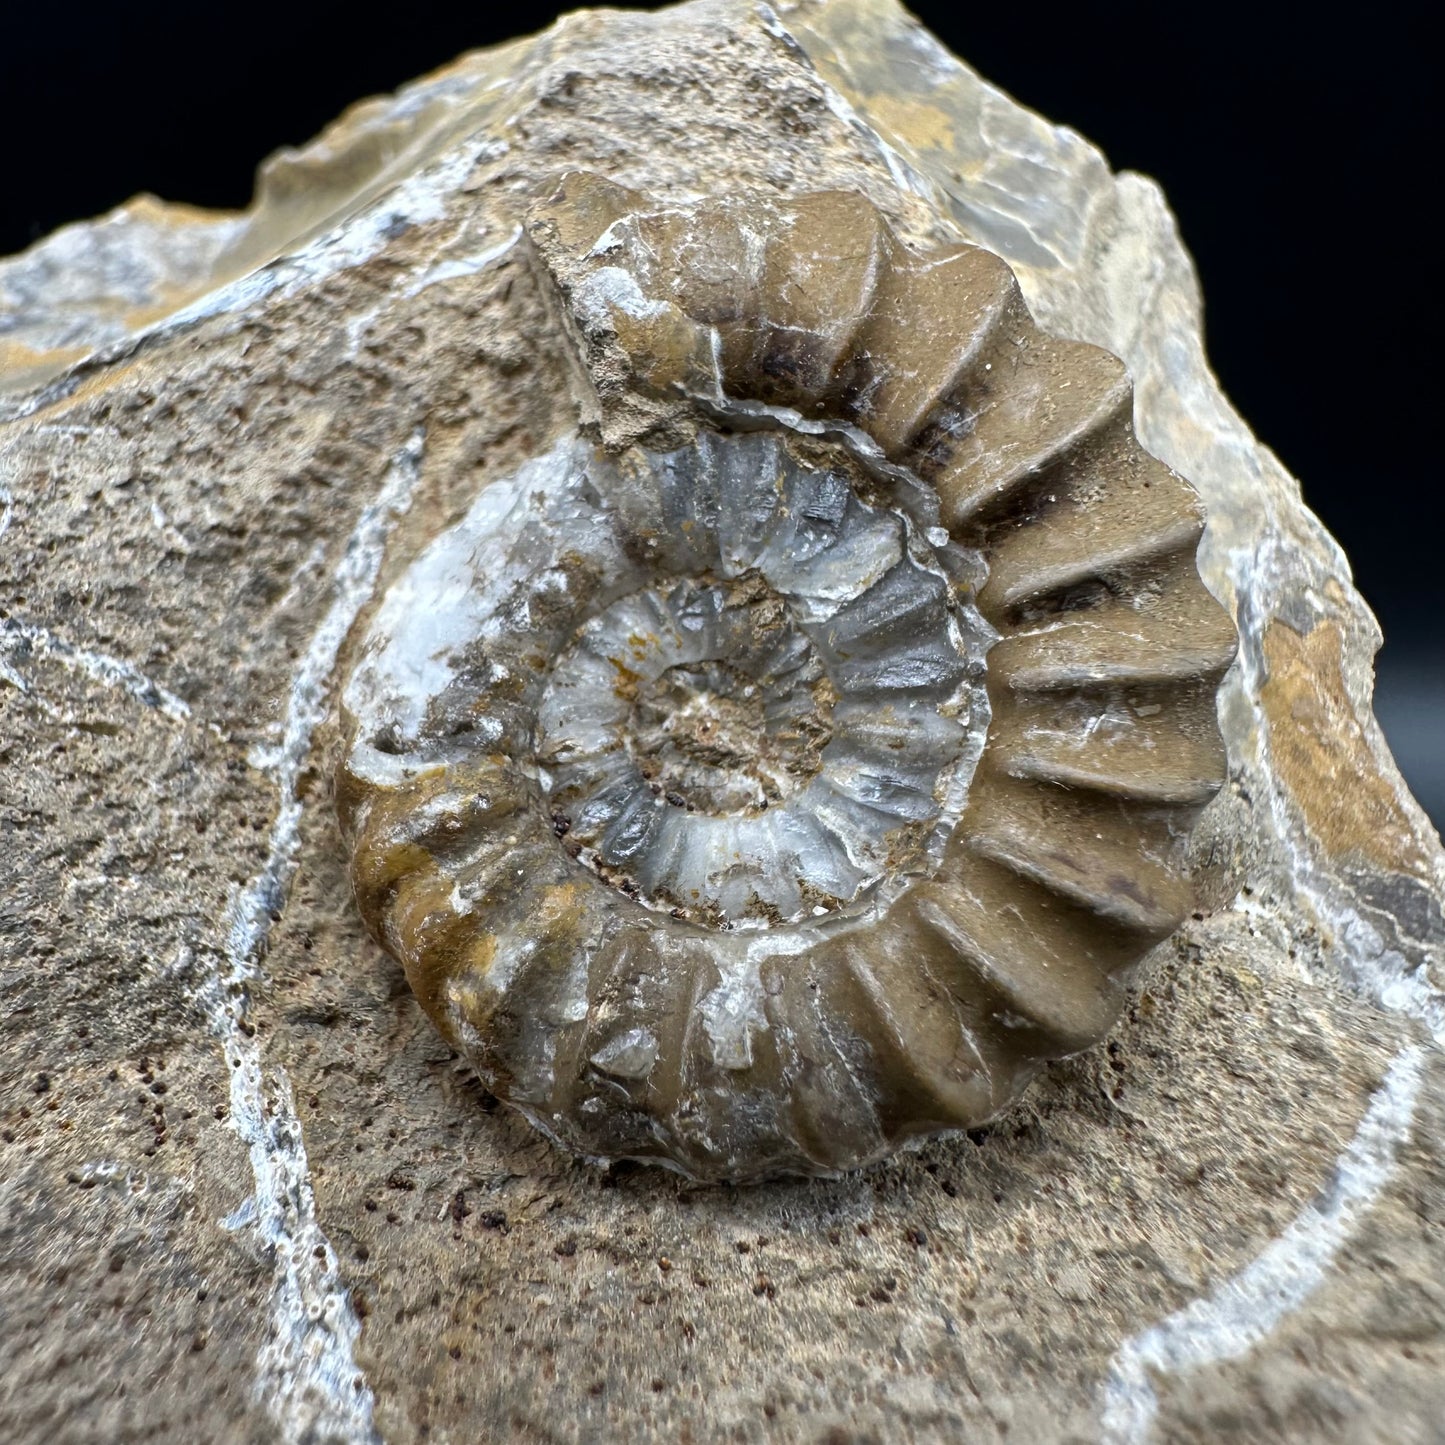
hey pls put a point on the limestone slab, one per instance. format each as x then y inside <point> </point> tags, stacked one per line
<point>249,1194</point>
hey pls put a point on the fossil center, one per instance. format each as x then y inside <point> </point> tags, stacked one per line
<point>739,733</point>
<point>718,749</point>
<point>702,733</point>
<point>718,680</point>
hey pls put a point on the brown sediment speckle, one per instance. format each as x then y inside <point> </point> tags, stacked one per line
<point>1321,752</point>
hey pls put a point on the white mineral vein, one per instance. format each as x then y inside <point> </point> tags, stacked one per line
<point>307,1374</point>
<point>1355,946</point>
<point>453,267</point>
<point>1243,1310</point>
<point>24,639</point>
<point>1248,1306</point>
<point>419,198</point>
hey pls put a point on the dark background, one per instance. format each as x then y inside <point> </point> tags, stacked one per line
<point>1294,143</point>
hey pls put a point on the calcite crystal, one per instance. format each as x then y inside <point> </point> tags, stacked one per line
<point>248,1193</point>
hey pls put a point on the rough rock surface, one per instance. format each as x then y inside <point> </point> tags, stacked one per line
<point>246,1193</point>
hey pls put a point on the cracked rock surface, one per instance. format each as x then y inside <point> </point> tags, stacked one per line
<point>246,1191</point>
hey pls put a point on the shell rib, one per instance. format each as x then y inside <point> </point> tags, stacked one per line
<point>756,804</point>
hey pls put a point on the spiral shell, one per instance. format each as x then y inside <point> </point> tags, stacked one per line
<point>799,774</point>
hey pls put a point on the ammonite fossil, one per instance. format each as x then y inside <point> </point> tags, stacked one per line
<point>762,791</point>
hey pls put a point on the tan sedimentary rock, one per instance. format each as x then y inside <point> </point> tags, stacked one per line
<point>245,1190</point>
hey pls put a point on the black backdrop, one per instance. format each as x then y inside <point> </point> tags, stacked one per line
<point>1294,143</point>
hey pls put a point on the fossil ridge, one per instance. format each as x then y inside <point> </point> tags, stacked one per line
<point>248,1194</point>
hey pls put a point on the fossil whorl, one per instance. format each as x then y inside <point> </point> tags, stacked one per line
<point>755,803</point>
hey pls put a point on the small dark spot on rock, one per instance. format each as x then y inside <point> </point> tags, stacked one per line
<point>494,1219</point>
<point>322,1013</point>
<point>917,1238</point>
<point>567,1248</point>
<point>455,1351</point>
<point>459,1209</point>
<point>42,1084</point>
<point>619,1169</point>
